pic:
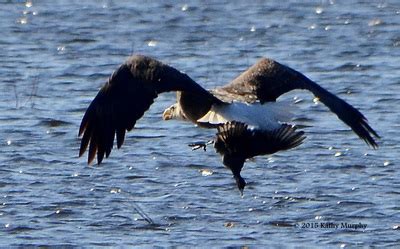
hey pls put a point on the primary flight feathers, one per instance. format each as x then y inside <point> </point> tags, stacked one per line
<point>134,86</point>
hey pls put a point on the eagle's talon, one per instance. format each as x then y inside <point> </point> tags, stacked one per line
<point>199,145</point>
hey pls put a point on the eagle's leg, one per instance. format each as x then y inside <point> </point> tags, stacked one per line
<point>199,145</point>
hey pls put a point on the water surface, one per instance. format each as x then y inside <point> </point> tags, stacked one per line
<point>55,55</point>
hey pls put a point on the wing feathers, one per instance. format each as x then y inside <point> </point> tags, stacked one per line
<point>85,142</point>
<point>267,80</point>
<point>92,149</point>
<point>133,87</point>
<point>344,111</point>
<point>120,137</point>
<point>236,139</point>
<point>124,99</point>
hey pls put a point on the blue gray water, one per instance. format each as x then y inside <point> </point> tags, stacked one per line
<point>155,191</point>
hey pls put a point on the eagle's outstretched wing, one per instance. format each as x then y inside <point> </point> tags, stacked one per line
<point>267,80</point>
<point>123,100</point>
<point>236,142</point>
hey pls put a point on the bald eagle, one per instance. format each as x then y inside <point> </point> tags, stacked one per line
<point>248,119</point>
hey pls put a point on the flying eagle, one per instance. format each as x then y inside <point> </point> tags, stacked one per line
<point>248,119</point>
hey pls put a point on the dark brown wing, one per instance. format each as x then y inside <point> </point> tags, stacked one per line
<point>235,138</point>
<point>267,80</point>
<point>123,100</point>
<point>236,142</point>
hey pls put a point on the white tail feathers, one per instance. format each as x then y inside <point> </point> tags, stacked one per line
<point>266,116</point>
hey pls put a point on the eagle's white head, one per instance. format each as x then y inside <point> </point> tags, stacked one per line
<point>174,112</point>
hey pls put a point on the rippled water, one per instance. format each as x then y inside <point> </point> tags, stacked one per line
<point>155,191</point>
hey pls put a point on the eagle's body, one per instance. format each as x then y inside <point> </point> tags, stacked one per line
<point>248,119</point>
